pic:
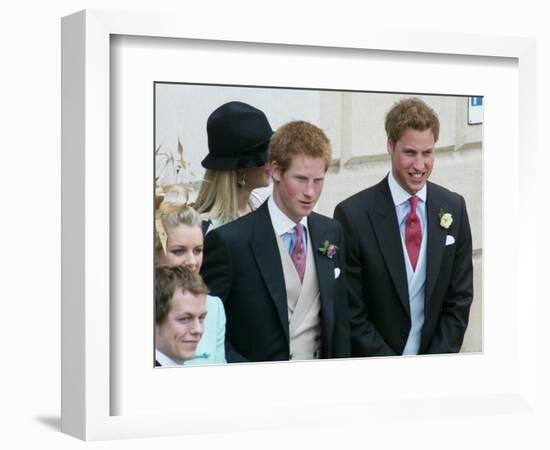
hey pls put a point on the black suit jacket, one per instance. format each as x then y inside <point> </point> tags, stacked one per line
<point>243,267</point>
<point>377,278</point>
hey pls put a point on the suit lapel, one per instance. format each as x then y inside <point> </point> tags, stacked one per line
<point>265,250</point>
<point>436,239</point>
<point>325,276</point>
<point>386,228</point>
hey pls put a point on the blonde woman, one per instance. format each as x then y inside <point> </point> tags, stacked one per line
<point>179,242</point>
<point>236,164</point>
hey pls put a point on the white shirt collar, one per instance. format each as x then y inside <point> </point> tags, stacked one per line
<point>165,360</point>
<point>281,223</point>
<point>400,195</point>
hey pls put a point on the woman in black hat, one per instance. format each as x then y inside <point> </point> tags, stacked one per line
<point>236,164</point>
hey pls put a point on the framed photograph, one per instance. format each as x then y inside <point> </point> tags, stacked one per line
<point>110,389</point>
<point>353,122</point>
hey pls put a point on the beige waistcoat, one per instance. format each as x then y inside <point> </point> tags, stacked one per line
<point>304,306</point>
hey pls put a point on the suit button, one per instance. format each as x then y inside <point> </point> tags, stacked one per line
<point>315,354</point>
<point>291,356</point>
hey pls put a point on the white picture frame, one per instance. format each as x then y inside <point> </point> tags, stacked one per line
<point>87,384</point>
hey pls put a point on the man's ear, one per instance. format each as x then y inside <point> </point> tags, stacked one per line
<point>390,146</point>
<point>157,330</point>
<point>275,171</point>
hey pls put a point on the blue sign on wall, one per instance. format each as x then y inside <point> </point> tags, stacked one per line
<point>476,101</point>
<point>475,110</point>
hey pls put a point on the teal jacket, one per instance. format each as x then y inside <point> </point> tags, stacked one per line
<point>211,348</point>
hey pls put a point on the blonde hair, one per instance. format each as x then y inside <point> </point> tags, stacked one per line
<point>218,195</point>
<point>172,215</point>
<point>410,113</point>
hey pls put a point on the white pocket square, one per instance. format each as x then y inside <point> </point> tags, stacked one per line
<point>449,240</point>
<point>336,273</point>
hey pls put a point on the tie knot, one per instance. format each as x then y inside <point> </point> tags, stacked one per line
<point>413,201</point>
<point>299,230</point>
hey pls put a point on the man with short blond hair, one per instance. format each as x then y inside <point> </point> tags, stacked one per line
<point>279,270</point>
<point>408,248</point>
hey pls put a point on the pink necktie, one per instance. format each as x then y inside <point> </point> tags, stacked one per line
<point>298,255</point>
<point>413,233</point>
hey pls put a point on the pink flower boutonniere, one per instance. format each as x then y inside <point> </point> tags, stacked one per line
<point>328,249</point>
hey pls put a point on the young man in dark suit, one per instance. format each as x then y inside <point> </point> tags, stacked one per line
<point>279,270</point>
<point>408,249</point>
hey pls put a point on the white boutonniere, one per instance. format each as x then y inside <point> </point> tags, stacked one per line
<point>445,219</point>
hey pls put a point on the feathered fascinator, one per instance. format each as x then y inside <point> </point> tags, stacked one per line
<point>169,194</point>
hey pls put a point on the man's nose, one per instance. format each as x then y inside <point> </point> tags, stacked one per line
<point>418,163</point>
<point>309,190</point>
<point>198,327</point>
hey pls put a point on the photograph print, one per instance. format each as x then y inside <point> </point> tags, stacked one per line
<point>303,224</point>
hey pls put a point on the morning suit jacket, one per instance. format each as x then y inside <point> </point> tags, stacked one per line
<point>377,278</point>
<point>242,266</point>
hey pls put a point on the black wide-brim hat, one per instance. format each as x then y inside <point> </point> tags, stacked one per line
<point>238,137</point>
